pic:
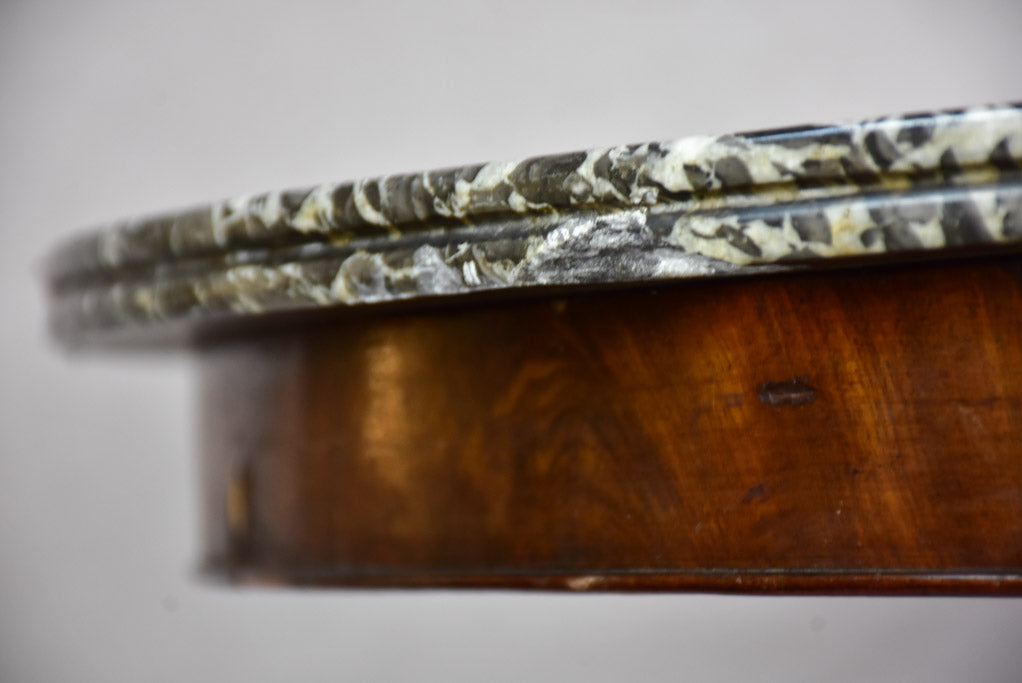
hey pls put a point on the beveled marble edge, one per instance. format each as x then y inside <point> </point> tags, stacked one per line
<point>690,208</point>
<point>693,170</point>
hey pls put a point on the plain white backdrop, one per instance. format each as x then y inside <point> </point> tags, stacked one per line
<point>121,107</point>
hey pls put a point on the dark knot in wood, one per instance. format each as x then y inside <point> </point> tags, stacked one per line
<point>796,391</point>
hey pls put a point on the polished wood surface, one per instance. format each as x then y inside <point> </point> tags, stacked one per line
<point>857,430</point>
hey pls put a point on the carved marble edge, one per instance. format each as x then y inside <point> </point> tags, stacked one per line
<point>695,207</point>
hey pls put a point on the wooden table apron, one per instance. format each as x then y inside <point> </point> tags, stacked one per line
<point>853,430</point>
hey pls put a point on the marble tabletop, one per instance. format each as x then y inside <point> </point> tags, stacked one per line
<point>934,183</point>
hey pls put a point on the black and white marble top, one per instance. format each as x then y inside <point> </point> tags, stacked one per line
<point>694,207</point>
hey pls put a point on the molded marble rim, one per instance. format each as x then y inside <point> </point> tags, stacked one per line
<point>930,183</point>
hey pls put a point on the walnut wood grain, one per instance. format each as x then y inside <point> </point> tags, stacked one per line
<point>845,431</point>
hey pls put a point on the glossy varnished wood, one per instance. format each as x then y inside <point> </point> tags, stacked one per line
<point>855,430</point>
